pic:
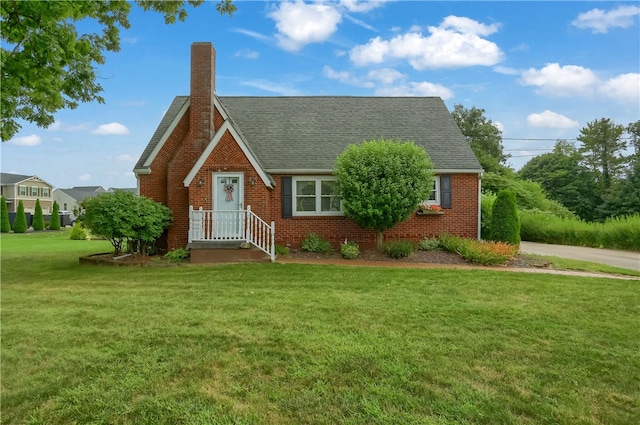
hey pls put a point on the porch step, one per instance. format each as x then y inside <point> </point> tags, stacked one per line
<point>225,252</point>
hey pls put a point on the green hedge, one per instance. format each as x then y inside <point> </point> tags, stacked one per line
<point>614,233</point>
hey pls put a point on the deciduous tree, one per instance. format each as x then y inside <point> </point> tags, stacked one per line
<point>382,182</point>
<point>483,136</point>
<point>47,65</point>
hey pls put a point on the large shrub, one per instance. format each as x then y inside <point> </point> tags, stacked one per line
<point>38,218</point>
<point>6,224</point>
<point>123,217</point>
<point>505,223</point>
<point>20,221</point>
<point>54,224</point>
<point>382,182</point>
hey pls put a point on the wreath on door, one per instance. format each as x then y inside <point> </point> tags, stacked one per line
<point>228,189</point>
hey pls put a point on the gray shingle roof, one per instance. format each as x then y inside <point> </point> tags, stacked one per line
<point>8,178</point>
<point>308,133</point>
<point>80,193</point>
<point>167,119</point>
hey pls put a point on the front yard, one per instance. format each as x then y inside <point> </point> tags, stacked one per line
<point>294,344</point>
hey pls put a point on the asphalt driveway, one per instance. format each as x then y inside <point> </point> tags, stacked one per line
<point>623,259</point>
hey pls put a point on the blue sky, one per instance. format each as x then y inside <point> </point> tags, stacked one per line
<point>541,71</point>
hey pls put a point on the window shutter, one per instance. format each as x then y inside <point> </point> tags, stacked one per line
<point>287,197</point>
<point>445,191</point>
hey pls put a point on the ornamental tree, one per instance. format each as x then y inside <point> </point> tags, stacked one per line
<point>47,62</point>
<point>38,218</point>
<point>123,217</point>
<point>54,223</point>
<point>4,214</point>
<point>382,182</point>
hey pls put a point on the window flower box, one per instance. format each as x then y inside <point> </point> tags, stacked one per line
<point>429,209</point>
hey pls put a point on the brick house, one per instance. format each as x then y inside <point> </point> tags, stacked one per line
<point>213,157</point>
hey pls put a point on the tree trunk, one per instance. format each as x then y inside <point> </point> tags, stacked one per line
<point>379,240</point>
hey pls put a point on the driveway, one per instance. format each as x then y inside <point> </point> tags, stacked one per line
<point>623,259</point>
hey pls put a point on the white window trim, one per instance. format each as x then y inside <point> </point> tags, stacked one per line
<point>26,190</point>
<point>317,213</point>
<point>37,191</point>
<point>438,199</point>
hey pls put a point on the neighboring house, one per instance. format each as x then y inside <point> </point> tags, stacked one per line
<point>133,190</point>
<point>276,155</point>
<point>69,199</point>
<point>17,187</point>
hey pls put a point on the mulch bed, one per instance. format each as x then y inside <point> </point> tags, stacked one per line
<point>366,255</point>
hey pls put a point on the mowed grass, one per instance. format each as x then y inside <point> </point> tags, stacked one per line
<point>302,344</point>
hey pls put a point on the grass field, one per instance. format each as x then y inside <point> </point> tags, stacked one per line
<point>300,344</point>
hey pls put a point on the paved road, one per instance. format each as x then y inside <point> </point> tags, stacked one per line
<point>612,257</point>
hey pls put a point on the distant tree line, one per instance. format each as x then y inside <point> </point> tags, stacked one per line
<point>595,178</point>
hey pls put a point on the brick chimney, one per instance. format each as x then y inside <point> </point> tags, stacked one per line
<point>203,67</point>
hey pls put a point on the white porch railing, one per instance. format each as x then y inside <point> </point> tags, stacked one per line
<point>236,225</point>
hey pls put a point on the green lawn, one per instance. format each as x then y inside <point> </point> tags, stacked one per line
<point>301,344</point>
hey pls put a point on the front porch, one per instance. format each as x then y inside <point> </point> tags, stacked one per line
<point>229,235</point>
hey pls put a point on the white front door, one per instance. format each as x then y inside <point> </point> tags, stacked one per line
<point>228,202</point>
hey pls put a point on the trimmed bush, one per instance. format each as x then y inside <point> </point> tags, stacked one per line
<point>38,218</point>
<point>398,249</point>
<point>314,243</point>
<point>350,250</point>
<point>282,250</point>
<point>78,233</point>
<point>429,244</point>
<point>6,224</point>
<point>20,222</point>
<point>55,217</point>
<point>178,254</point>
<point>505,223</point>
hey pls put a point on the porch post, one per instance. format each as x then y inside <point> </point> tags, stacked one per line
<point>190,238</point>
<point>273,241</point>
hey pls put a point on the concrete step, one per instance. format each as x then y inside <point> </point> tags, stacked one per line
<point>225,252</point>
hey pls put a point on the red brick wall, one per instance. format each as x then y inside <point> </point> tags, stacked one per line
<point>461,220</point>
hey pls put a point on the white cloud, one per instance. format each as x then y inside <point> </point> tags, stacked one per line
<point>600,21</point>
<point>84,177</point>
<point>506,70</point>
<point>130,40</point>
<point>113,128</point>
<point>345,77</point>
<point>32,140</point>
<point>549,119</point>
<point>386,75</point>
<point>247,54</point>
<point>457,42</point>
<point>57,125</point>
<point>300,23</point>
<point>416,89</point>
<point>576,81</point>
<point>272,87</point>
<point>568,80</point>
<point>252,34</point>
<point>624,88</point>
<point>361,6</point>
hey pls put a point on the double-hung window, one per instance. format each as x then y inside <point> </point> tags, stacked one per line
<point>22,190</point>
<point>434,198</point>
<point>34,191</point>
<point>316,196</point>
<point>45,191</point>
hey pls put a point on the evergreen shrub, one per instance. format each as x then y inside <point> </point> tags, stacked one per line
<point>54,224</point>
<point>505,223</point>
<point>38,218</point>
<point>20,222</point>
<point>6,224</point>
<point>78,233</point>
